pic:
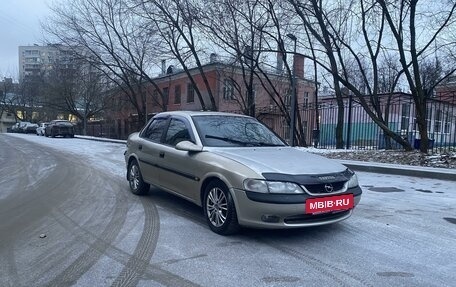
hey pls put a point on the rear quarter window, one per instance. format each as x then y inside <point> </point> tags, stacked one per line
<point>154,130</point>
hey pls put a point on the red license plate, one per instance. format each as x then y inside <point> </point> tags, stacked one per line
<point>329,203</point>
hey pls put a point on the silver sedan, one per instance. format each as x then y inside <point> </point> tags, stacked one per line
<point>239,172</point>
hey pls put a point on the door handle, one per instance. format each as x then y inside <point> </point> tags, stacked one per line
<point>162,154</point>
<point>140,147</point>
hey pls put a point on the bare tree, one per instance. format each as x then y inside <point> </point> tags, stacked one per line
<point>6,88</point>
<point>317,22</point>
<point>405,21</point>
<point>176,23</point>
<point>76,88</point>
<point>372,26</point>
<point>113,39</point>
<point>249,32</point>
<point>237,28</point>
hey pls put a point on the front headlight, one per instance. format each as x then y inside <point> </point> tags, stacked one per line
<point>353,182</point>
<point>276,187</point>
<point>256,185</point>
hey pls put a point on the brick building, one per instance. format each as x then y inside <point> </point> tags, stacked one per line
<point>271,93</point>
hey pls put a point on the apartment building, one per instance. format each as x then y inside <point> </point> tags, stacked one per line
<point>36,60</point>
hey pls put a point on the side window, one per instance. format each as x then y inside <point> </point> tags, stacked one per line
<point>177,132</point>
<point>155,130</point>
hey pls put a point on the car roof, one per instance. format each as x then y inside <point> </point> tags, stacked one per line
<point>198,113</point>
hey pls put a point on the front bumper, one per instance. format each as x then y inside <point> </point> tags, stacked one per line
<point>282,211</point>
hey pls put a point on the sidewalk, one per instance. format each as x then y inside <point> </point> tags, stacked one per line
<point>385,168</point>
<point>397,169</point>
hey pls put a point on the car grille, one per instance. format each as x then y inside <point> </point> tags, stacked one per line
<point>311,218</point>
<point>320,187</point>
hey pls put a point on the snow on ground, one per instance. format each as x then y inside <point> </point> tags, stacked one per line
<point>413,158</point>
<point>91,151</point>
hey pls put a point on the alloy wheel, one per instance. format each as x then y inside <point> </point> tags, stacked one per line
<point>134,177</point>
<point>216,207</point>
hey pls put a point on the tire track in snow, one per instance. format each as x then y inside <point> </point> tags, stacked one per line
<point>315,263</point>
<point>134,269</point>
<point>97,249</point>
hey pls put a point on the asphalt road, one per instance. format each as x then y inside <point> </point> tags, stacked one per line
<point>67,220</point>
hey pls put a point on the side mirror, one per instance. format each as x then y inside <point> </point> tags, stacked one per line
<point>188,146</point>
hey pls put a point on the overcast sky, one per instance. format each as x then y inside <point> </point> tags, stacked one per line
<point>19,26</point>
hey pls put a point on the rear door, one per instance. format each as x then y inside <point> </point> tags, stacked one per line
<point>148,149</point>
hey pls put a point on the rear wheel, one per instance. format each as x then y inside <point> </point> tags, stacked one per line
<point>137,184</point>
<point>219,209</point>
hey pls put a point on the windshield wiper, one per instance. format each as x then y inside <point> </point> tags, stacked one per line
<point>226,139</point>
<point>241,142</point>
<point>265,144</point>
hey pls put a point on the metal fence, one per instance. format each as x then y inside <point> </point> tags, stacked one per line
<point>114,129</point>
<point>359,131</point>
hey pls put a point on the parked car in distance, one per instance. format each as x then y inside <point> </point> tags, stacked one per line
<point>29,128</point>
<point>239,172</point>
<point>21,127</point>
<point>41,128</point>
<point>15,128</point>
<point>59,128</point>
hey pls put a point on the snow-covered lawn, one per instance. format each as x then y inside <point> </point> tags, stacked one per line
<point>413,158</point>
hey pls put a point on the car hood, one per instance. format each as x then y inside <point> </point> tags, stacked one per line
<point>286,160</point>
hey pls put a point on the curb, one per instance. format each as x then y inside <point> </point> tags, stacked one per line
<point>101,139</point>
<point>415,171</point>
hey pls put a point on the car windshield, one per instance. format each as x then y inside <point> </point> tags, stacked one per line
<point>234,131</point>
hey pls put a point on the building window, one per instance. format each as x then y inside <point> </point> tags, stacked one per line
<point>165,96</point>
<point>405,120</point>
<point>190,93</point>
<point>438,121</point>
<point>428,117</point>
<point>228,89</point>
<point>287,99</point>
<point>306,99</point>
<point>447,123</point>
<point>177,94</point>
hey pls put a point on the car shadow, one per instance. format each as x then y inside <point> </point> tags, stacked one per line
<point>176,205</point>
<point>183,208</point>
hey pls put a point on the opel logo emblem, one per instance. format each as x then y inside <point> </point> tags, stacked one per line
<point>329,187</point>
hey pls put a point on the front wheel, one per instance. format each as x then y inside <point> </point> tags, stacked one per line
<point>219,209</point>
<point>137,184</point>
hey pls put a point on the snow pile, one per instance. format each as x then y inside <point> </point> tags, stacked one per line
<point>414,158</point>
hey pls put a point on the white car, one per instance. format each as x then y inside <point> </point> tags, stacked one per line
<point>41,128</point>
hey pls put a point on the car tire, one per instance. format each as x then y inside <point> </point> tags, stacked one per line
<point>219,209</point>
<point>135,179</point>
